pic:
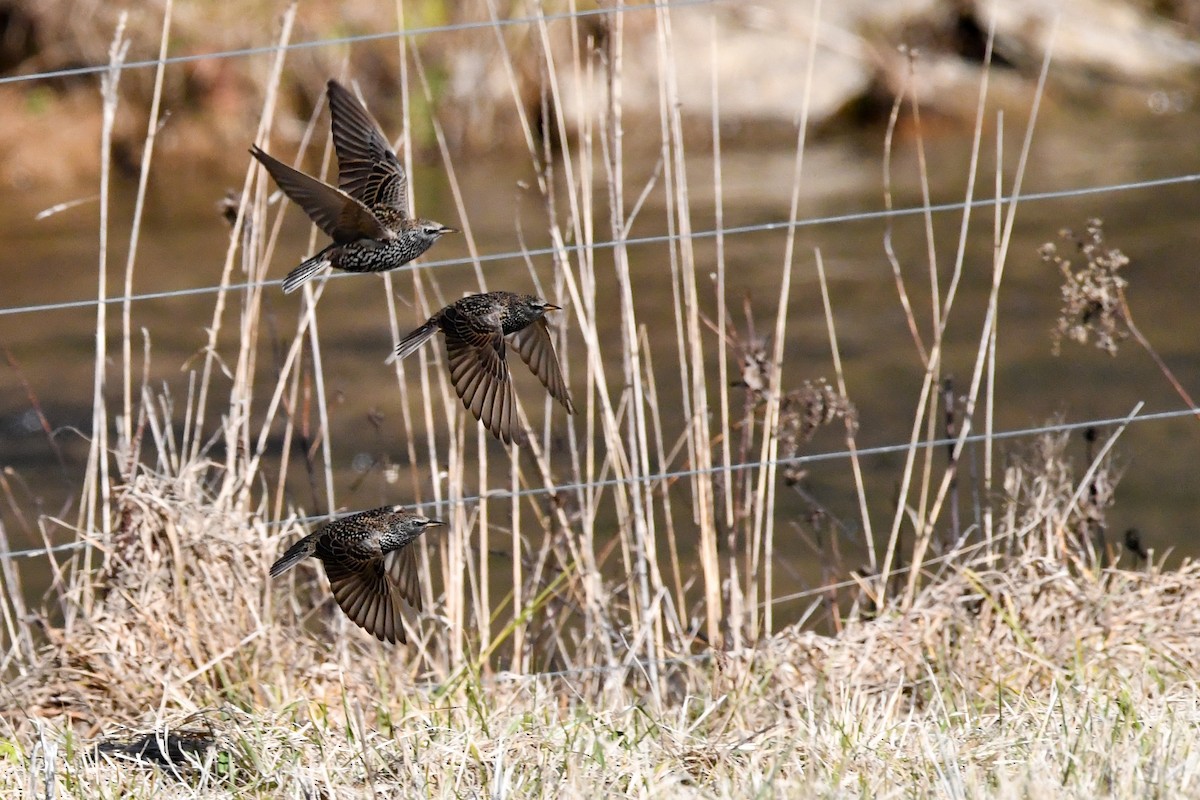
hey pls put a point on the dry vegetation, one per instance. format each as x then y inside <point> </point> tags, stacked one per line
<point>1010,657</point>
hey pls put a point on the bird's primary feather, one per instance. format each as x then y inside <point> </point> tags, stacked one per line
<point>343,218</point>
<point>368,169</point>
<point>534,347</point>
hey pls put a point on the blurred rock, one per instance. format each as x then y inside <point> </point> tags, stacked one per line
<point>869,52</point>
<point>1097,39</point>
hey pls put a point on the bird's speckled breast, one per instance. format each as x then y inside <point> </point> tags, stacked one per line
<point>372,255</point>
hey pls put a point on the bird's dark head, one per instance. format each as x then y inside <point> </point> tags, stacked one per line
<point>402,527</point>
<point>538,306</point>
<point>434,230</point>
<point>411,519</point>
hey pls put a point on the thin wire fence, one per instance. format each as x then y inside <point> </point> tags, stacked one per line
<point>96,69</point>
<point>954,556</point>
<point>713,233</point>
<point>657,477</point>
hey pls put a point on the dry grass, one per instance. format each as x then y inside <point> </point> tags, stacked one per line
<point>1001,659</point>
<point>1028,672</point>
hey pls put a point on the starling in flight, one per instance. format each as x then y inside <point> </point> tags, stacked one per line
<point>475,328</point>
<point>369,564</point>
<point>366,215</point>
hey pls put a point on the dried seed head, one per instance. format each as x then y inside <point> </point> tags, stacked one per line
<point>1092,304</point>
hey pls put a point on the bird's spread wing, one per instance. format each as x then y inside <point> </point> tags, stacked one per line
<point>370,597</point>
<point>342,217</point>
<point>402,567</point>
<point>368,169</point>
<point>475,355</point>
<point>533,344</point>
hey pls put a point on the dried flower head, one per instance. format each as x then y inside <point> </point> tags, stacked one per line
<point>1092,296</point>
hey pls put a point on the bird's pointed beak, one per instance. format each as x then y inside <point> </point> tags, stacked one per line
<point>447,229</point>
<point>433,522</point>
<point>551,307</point>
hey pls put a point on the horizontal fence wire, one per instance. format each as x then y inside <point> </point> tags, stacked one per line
<point>781,225</point>
<point>708,655</point>
<point>658,477</point>
<point>96,69</point>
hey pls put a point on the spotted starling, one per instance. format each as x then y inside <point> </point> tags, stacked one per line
<point>366,215</point>
<point>369,565</point>
<point>475,328</point>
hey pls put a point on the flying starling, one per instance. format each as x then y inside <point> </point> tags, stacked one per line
<point>475,328</point>
<point>367,214</point>
<point>369,565</point>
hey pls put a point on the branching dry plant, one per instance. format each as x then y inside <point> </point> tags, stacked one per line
<point>1094,306</point>
<point>633,650</point>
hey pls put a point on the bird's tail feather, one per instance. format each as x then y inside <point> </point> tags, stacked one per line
<point>410,344</point>
<point>297,277</point>
<point>294,555</point>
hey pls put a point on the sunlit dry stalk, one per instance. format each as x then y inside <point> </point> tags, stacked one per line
<point>851,424</point>
<point>932,361</point>
<point>989,414</point>
<point>964,227</point>
<point>152,126</point>
<point>927,412</point>
<point>762,538</point>
<point>914,329</point>
<point>482,609</point>
<point>764,506</point>
<point>12,604</point>
<point>641,528</point>
<point>543,167</point>
<point>990,321</point>
<point>97,490</point>
<point>754,378</point>
<point>665,460</point>
<point>603,420</point>
<point>318,368</point>
<point>518,579</point>
<point>691,353</point>
<point>736,611</point>
<point>257,257</point>
<point>285,446</point>
<point>265,123</point>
